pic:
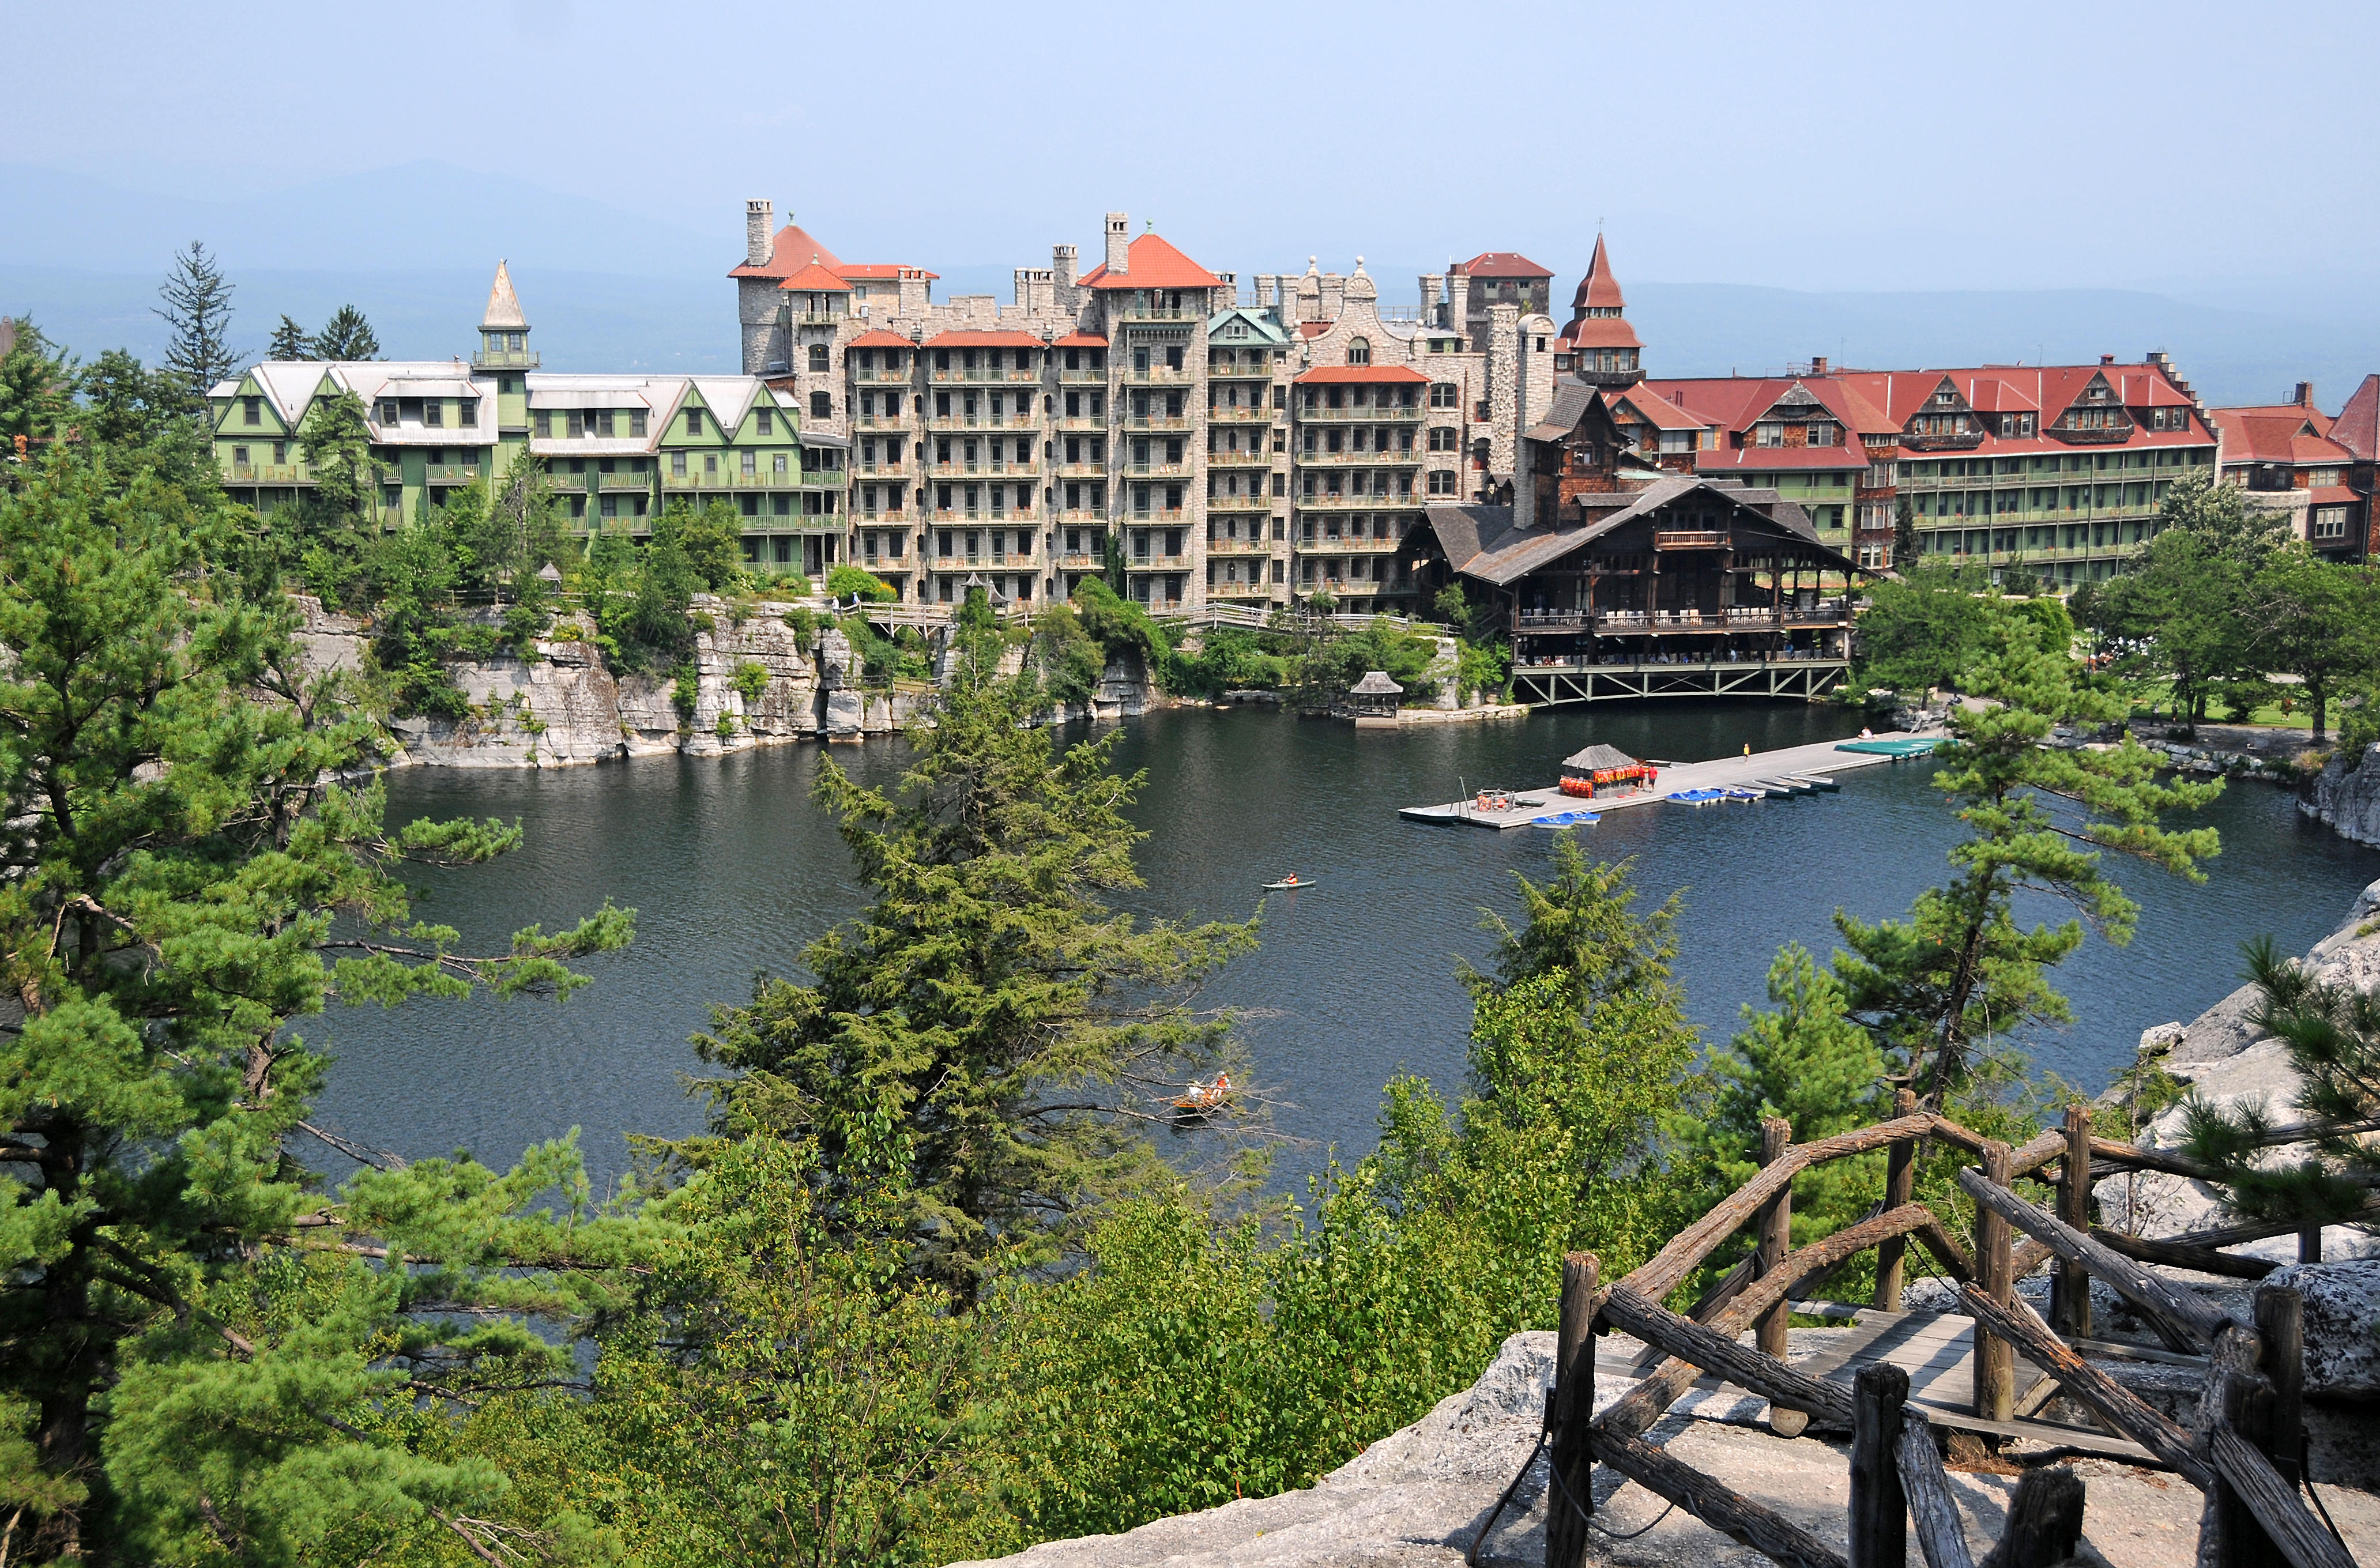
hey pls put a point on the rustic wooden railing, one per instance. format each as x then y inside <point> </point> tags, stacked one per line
<point>2240,1448</point>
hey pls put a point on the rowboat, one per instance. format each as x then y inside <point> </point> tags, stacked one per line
<point>1204,1099</point>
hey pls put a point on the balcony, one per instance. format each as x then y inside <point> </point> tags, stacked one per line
<point>267,473</point>
<point>1239,373</point>
<point>1084,376</point>
<point>879,376</point>
<point>882,421</point>
<point>981,376</point>
<point>1236,590</point>
<point>599,482</point>
<point>1350,545</point>
<point>789,479</point>
<point>1161,375</point>
<point>1689,539</point>
<point>889,514</point>
<point>1239,415</point>
<point>1158,516</point>
<point>1354,503</point>
<point>1095,516</point>
<point>1405,459</point>
<point>1081,561</point>
<point>1359,416</point>
<point>1160,470</point>
<point>1238,504</point>
<point>1158,421</point>
<point>1080,423</point>
<point>505,359</point>
<point>1157,312</point>
<point>1239,459</point>
<point>1157,563</point>
<point>1237,547</point>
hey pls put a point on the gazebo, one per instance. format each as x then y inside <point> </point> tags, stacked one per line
<point>1602,767</point>
<point>1375,699</point>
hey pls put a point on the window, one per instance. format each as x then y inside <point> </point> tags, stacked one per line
<point>694,421</point>
<point>433,411</point>
<point>764,420</point>
<point>821,406</point>
<point>1442,439</point>
<point>252,410</point>
<point>599,423</point>
<point>383,412</point>
<point>751,464</point>
<point>575,425</point>
<point>2329,523</point>
<point>635,421</point>
<point>779,464</point>
<point>1768,435</point>
<point>1441,481</point>
<point>709,463</point>
<point>1359,350</point>
<point>469,416</point>
<point>240,455</point>
<point>544,420</point>
<point>818,357</point>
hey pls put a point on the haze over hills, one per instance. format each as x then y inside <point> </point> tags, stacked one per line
<point>608,289</point>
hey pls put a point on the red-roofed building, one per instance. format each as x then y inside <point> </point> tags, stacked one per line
<point>2288,459</point>
<point>1598,347</point>
<point>1503,278</point>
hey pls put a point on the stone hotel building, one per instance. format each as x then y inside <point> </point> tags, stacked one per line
<point>1229,444</point>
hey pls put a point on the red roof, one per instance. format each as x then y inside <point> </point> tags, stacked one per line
<point>1080,340</point>
<point>2358,425</point>
<point>1367,374</point>
<point>1151,263</point>
<point>1598,290</point>
<point>876,337</point>
<point>1654,409</point>
<point>985,340</point>
<point>1600,332</point>
<point>1312,329</point>
<point>878,271</point>
<point>2284,434</point>
<point>815,279</point>
<point>793,250</point>
<point>1503,264</point>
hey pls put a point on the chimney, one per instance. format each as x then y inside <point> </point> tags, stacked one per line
<point>759,231</point>
<point>1119,257</point>
<point>2106,359</point>
<point>1062,264</point>
<point>1267,290</point>
<point>1817,364</point>
<point>2305,395</point>
<point>1433,285</point>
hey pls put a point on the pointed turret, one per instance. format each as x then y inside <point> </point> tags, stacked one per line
<point>504,330</point>
<point>1598,292</point>
<point>1598,345</point>
<point>503,305</point>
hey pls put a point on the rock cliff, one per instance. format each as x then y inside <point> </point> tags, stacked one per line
<point>2347,798</point>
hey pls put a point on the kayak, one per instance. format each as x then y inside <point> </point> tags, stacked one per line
<point>1285,887</point>
<point>1566,820</point>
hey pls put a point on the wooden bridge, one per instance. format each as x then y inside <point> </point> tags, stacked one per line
<point>1901,1374</point>
<point>1554,685</point>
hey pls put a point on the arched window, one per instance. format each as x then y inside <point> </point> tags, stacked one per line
<point>821,406</point>
<point>1359,350</point>
<point>818,355</point>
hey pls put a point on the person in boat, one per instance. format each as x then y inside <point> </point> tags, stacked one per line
<point>1290,880</point>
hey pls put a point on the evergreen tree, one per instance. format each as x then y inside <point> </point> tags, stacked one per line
<point>988,1038</point>
<point>1958,970</point>
<point>207,1356</point>
<point>198,308</point>
<point>336,441</point>
<point>290,341</point>
<point>37,387</point>
<point>345,336</point>
<point>1904,535</point>
<point>1809,1063</point>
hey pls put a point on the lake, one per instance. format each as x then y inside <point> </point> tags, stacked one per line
<point>733,870</point>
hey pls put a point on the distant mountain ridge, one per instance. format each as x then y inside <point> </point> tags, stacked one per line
<point>413,246</point>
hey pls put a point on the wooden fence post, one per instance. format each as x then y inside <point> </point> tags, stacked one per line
<point>1899,1181</point>
<point>2309,1244</point>
<point>1776,1233</point>
<point>1879,1508</point>
<point>1995,1359</point>
<point>1573,1466</point>
<point>2247,1408</point>
<point>2280,1325</point>
<point>2071,1310</point>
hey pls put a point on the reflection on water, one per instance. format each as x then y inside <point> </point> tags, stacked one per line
<point>733,869</point>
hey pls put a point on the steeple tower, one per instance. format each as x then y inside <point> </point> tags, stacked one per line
<point>503,331</point>
<point>1599,344</point>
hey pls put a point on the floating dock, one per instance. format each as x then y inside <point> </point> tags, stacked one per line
<point>1786,771</point>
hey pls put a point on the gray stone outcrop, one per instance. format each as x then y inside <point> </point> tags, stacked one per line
<point>2347,798</point>
<point>2342,1325</point>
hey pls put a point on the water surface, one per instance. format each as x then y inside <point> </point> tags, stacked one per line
<point>733,870</point>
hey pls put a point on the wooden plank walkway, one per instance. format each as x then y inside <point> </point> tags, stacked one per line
<point>1937,1349</point>
<point>1719,773</point>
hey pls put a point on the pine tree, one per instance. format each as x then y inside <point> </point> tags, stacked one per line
<point>198,308</point>
<point>988,1038</point>
<point>1904,535</point>
<point>345,336</point>
<point>290,341</point>
<point>1958,970</point>
<point>37,387</point>
<point>207,1353</point>
<point>336,441</point>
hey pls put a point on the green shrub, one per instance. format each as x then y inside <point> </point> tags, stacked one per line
<point>751,679</point>
<point>684,688</point>
<point>847,579</point>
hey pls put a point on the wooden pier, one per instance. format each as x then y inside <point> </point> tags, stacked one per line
<point>1824,759</point>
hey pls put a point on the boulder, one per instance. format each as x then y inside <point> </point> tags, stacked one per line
<point>2345,795</point>
<point>2342,1325</point>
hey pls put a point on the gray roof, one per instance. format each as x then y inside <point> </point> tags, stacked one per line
<point>1598,757</point>
<point>1571,399</point>
<point>1376,682</point>
<point>1481,541</point>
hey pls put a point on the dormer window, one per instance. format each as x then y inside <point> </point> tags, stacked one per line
<point>1946,399</point>
<point>1359,351</point>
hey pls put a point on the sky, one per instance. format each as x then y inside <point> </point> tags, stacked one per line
<point>2213,154</point>
<point>1812,147</point>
